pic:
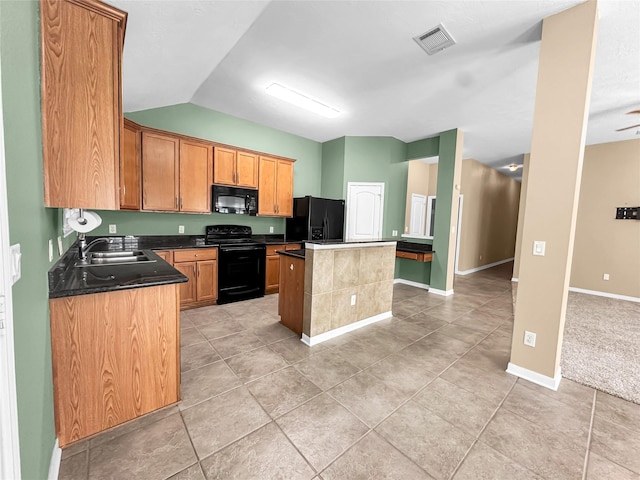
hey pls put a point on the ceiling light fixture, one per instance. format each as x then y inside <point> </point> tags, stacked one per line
<point>513,167</point>
<point>301,100</point>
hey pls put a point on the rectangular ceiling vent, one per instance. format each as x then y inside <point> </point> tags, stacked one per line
<point>435,40</point>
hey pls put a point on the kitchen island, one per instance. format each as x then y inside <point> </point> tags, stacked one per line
<point>347,285</point>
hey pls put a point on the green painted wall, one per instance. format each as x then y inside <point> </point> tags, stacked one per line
<point>427,147</point>
<point>380,159</point>
<point>31,225</point>
<point>200,122</point>
<point>411,270</point>
<point>333,169</point>
<point>446,166</point>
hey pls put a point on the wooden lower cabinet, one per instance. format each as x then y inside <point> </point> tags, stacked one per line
<point>200,266</point>
<point>272,269</point>
<point>115,355</point>
<point>291,299</point>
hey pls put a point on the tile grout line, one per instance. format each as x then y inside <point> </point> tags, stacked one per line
<point>586,455</point>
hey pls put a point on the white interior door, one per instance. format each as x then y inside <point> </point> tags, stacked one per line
<point>364,210</point>
<point>418,215</point>
<point>9,443</point>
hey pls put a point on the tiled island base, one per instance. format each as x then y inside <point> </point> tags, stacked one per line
<point>346,287</point>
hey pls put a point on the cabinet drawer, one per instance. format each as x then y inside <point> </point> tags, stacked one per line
<point>420,257</point>
<point>293,246</point>
<point>194,254</point>
<point>271,249</point>
<point>166,255</point>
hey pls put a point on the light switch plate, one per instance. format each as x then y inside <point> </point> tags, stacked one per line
<point>353,299</point>
<point>539,247</point>
<point>394,233</point>
<point>112,228</point>
<point>180,228</point>
<point>270,229</point>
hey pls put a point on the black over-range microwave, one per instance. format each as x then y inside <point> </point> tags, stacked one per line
<point>240,201</point>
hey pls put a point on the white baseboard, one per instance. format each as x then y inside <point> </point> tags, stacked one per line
<point>442,293</point>
<point>514,279</point>
<point>411,283</point>
<point>484,267</point>
<point>535,377</point>
<point>54,465</point>
<point>336,332</point>
<point>605,294</point>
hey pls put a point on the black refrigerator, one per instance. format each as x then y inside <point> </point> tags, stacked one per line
<point>316,219</point>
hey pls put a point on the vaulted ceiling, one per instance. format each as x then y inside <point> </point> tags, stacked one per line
<point>360,58</point>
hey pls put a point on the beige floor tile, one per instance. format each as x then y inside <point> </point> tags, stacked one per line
<point>600,468</point>
<point>293,350</point>
<point>262,455</point>
<point>222,420</point>
<point>405,374</point>
<point>484,463</point>
<point>205,382</point>
<point>273,332</point>
<point>571,420</point>
<point>190,336</point>
<point>194,472</point>
<point>374,458</point>
<point>568,392</point>
<point>321,429</point>
<point>481,321</point>
<point>156,451</point>
<point>427,322</point>
<point>432,357</point>
<point>435,445</point>
<point>368,397</point>
<point>449,313</point>
<point>616,443</point>
<point>546,452</point>
<point>463,409</point>
<point>236,343</point>
<point>74,467</point>
<point>220,328</point>
<point>74,448</point>
<point>463,334</point>
<point>256,363</point>
<point>360,354</point>
<point>282,391</point>
<point>618,411</point>
<point>196,356</point>
<point>206,315</point>
<point>492,386</point>
<point>438,341</point>
<point>326,369</point>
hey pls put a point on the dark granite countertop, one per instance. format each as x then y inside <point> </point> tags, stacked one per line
<point>67,280</point>
<point>414,247</point>
<point>300,253</point>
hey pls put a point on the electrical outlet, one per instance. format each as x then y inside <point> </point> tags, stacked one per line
<point>112,228</point>
<point>270,229</point>
<point>353,300</point>
<point>394,233</point>
<point>50,249</point>
<point>60,249</point>
<point>539,247</point>
<point>605,276</point>
<point>180,228</point>
<point>529,338</point>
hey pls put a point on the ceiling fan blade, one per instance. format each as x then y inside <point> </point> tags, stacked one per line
<point>633,111</point>
<point>628,128</point>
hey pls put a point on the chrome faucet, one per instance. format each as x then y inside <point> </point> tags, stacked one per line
<point>83,248</point>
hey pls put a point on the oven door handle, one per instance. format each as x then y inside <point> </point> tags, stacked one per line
<point>240,249</point>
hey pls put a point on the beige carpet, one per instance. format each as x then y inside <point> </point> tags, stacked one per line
<point>601,346</point>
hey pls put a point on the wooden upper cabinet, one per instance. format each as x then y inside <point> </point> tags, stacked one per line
<point>247,169</point>
<point>235,167</point>
<point>160,172</point>
<point>196,165</point>
<point>81,103</point>
<point>275,191</point>
<point>130,167</point>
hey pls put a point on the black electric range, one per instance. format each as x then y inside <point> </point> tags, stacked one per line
<point>241,262</point>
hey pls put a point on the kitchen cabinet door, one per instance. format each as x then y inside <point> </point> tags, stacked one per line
<point>81,103</point>
<point>130,167</point>
<point>207,280</point>
<point>196,165</point>
<point>246,169</point>
<point>188,291</point>
<point>284,189</point>
<point>166,255</point>
<point>272,269</point>
<point>224,166</point>
<point>267,186</point>
<point>160,172</point>
<point>291,298</point>
<point>115,357</point>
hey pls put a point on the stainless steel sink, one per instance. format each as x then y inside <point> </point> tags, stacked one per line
<point>96,259</point>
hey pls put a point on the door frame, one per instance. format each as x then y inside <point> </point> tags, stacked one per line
<point>9,439</point>
<point>458,230</point>
<point>349,199</point>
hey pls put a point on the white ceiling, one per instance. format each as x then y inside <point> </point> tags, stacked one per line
<point>359,57</point>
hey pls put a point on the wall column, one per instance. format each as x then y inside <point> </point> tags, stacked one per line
<point>553,185</point>
<point>448,193</point>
